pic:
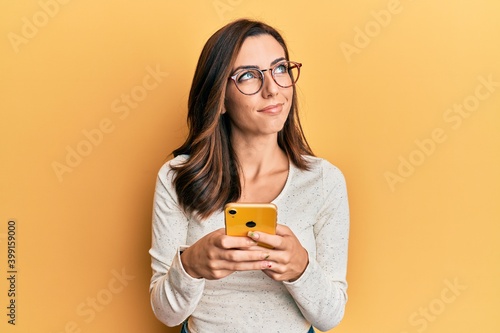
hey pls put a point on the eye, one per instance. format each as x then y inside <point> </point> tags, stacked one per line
<point>281,69</point>
<point>248,75</point>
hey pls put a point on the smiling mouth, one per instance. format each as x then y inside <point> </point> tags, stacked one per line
<point>272,108</point>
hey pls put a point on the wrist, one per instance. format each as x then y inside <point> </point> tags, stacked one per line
<point>185,259</point>
<point>304,267</point>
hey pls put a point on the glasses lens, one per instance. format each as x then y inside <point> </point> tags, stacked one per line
<point>249,81</point>
<point>286,74</point>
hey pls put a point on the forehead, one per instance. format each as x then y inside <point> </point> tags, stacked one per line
<point>259,51</point>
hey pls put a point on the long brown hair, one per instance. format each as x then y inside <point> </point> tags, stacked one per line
<point>210,177</point>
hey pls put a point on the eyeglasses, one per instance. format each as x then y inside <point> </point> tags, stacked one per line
<point>251,80</point>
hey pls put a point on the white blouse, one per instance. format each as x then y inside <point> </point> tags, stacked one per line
<point>313,204</point>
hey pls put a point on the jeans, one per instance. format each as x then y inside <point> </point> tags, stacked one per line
<point>185,330</point>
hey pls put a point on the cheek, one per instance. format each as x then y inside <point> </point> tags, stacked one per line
<point>232,101</point>
<point>235,105</point>
<point>240,103</point>
<point>288,96</point>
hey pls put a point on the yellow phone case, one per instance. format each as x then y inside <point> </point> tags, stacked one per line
<point>240,218</point>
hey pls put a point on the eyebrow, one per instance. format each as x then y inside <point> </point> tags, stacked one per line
<point>274,62</point>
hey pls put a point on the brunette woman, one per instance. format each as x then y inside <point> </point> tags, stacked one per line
<point>246,144</point>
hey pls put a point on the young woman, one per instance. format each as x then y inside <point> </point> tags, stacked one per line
<point>246,144</point>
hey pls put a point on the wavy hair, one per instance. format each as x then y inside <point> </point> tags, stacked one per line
<point>209,178</point>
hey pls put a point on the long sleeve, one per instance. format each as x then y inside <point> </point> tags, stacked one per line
<point>313,203</point>
<point>174,293</point>
<point>321,291</point>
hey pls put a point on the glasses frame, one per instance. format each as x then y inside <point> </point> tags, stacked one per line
<point>272,69</point>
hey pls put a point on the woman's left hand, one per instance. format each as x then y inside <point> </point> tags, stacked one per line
<point>288,259</point>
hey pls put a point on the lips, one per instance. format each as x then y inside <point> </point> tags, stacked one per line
<point>274,108</point>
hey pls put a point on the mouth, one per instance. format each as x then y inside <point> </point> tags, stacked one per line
<point>275,108</point>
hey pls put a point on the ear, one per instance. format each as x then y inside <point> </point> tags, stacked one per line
<point>223,109</point>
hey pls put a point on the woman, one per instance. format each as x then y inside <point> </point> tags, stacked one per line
<point>246,144</point>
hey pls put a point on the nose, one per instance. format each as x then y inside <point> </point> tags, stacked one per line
<point>270,87</point>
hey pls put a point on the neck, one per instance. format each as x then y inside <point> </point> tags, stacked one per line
<point>259,155</point>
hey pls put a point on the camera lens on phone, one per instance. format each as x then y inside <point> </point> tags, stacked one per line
<point>251,224</point>
<point>232,211</point>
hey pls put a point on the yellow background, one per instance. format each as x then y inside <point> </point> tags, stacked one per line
<point>435,226</point>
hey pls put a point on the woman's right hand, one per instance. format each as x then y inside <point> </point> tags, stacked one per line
<point>217,255</point>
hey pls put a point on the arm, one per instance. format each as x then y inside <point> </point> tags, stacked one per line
<point>174,293</point>
<point>321,291</point>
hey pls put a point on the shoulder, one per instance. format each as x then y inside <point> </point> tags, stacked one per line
<point>322,166</point>
<point>321,177</point>
<point>174,162</point>
<point>166,170</point>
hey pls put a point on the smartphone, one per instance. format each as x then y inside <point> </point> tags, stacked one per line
<point>240,218</point>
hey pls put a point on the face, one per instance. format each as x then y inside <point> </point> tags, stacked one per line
<point>265,112</point>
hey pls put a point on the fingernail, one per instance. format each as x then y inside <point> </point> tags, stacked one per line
<point>253,235</point>
<point>267,265</point>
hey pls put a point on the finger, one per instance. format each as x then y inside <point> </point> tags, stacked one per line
<point>277,272</point>
<point>235,242</point>
<point>267,265</point>
<point>272,268</point>
<point>245,266</point>
<point>274,275</point>
<point>261,237</point>
<point>249,266</point>
<point>244,256</point>
<point>282,230</point>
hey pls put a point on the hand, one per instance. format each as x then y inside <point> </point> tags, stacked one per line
<point>217,255</point>
<point>287,260</point>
